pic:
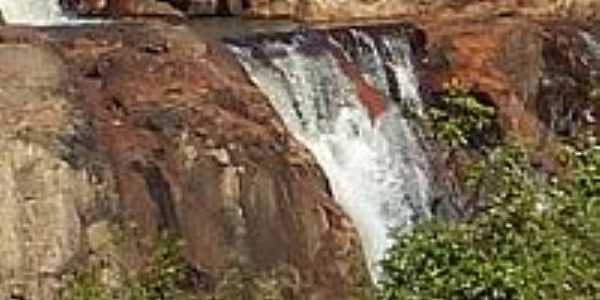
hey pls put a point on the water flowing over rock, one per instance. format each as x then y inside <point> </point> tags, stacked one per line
<point>112,134</point>
<point>339,92</point>
<point>33,12</point>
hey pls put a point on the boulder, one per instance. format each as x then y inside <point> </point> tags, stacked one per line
<point>517,64</point>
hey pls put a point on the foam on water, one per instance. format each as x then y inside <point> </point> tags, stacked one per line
<point>591,42</point>
<point>376,168</point>
<point>32,12</point>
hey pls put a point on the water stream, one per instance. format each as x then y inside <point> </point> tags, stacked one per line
<point>338,91</point>
<point>32,12</point>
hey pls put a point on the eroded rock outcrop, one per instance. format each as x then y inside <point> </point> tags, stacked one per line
<point>119,135</point>
<point>528,69</point>
<point>44,195</point>
<point>335,10</point>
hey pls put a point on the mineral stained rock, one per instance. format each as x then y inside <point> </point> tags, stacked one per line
<point>118,135</point>
<point>118,132</point>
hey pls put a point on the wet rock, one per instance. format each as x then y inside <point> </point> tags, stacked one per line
<point>540,76</point>
<point>501,59</point>
<point>150,128</point>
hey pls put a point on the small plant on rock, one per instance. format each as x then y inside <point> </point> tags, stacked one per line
<point>164,279</point>
<point>459,119</point>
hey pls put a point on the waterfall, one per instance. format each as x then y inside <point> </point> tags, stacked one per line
<point>591,42</point>
<point>338,92</point>
<point>32,12</point>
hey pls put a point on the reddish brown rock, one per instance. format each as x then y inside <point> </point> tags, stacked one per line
<point>196,149</point>
<point>500,58</point>
<point>336,10</point>
<point>515,62</point>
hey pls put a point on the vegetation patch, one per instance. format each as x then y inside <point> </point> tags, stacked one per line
<point>166,278</point>
<point>460,118</point>
<point>538,238</point>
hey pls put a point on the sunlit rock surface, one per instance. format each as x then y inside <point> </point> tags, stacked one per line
<point>115,130</point>
<point>341,10</point>
<point>33,12</point>
<point>140,129</point>
<point>43,195</point>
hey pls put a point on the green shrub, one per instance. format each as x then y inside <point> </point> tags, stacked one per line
<point>164,279</point>
<point>458,118</point>
<point>538,239</point>
<point>86,286</point>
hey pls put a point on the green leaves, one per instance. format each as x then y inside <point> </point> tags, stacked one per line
<point>458,118</point>
<point>161,281</point>
<point>538,239</point>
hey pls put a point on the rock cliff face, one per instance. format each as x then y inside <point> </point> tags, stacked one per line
<point>41,191</point>
<point>519,65</point>
<point>540,76</point>
<point>118,136</point>
<point>110,134</point>
<point>341,10</point>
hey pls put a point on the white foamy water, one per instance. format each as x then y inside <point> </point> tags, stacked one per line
<point>32,12</point>
<point>377,170</point>
<point>591,42</point>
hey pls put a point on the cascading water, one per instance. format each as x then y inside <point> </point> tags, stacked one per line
<point>32,12</point>
<point>338,93</point>
<point>592,43</point>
